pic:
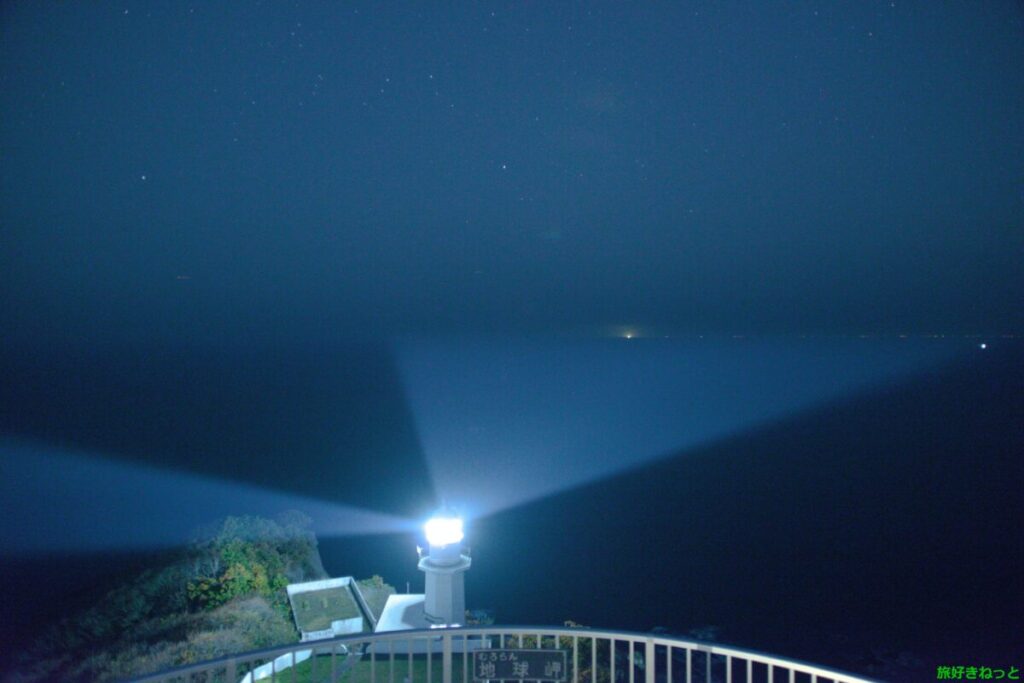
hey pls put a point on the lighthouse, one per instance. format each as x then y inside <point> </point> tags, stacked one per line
<point>444,564</point>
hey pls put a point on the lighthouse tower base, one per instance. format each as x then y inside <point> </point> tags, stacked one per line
<point>445,601</point>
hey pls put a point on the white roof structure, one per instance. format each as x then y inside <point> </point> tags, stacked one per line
<point>327,608</point>
<point>403,612</point>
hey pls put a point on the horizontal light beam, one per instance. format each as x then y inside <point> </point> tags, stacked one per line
<point>54,501</point>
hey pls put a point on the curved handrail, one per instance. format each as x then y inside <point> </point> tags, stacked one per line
<point>650,640</point>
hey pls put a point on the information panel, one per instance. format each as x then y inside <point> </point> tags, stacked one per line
<point>519,665</point>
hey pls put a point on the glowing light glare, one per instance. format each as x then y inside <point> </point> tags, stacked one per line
<point>982,346</point>
<point>443,530</point>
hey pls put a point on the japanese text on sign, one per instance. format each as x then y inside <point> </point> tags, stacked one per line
<point>521,665</point>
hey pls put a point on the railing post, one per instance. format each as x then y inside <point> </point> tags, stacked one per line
<point>446,658</point>
<point>649,661</point>
<point>575,660</point>
<point>611,660</point>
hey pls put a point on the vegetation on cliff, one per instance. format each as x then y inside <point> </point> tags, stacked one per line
<point>223,594</point>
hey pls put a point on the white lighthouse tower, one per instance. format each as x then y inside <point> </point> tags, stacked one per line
<point>444,565</point>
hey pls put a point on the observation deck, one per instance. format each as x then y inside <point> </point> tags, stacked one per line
<point>445,655</point>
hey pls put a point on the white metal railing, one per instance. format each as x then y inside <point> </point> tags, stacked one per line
<point>443,656</point>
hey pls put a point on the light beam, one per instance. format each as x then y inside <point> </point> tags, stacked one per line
<point>504,422</point>
<point>55,501</point>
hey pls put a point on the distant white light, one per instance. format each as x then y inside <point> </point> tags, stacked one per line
<point>983,346</point>
<point>443,530</point>
<point>629,332</point>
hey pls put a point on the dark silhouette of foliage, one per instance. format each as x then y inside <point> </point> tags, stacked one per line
<point>223,594</point>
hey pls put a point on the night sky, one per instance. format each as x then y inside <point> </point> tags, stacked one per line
<point>685,271</point>
<point>187,171</point>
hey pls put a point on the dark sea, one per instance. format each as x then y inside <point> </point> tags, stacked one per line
<point>880,530</point>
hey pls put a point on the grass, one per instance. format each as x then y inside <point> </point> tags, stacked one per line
<point>320,671</point>
<point>315,610</point>
<point>376,597</point>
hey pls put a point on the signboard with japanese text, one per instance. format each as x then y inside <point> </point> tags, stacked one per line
<point>520,665</point>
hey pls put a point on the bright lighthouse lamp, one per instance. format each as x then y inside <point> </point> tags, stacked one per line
<point>444,564</point>
<point>443,530</point>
